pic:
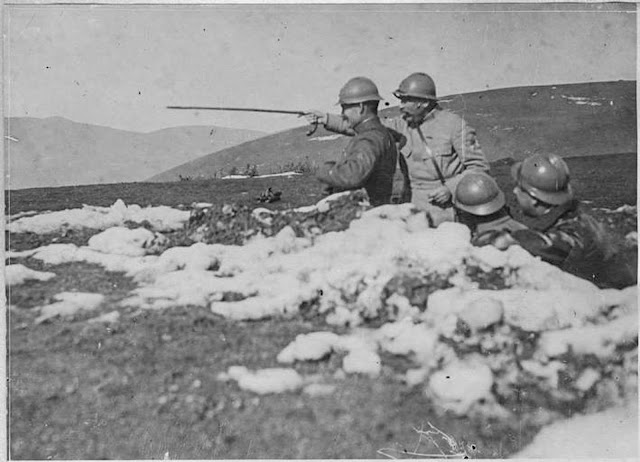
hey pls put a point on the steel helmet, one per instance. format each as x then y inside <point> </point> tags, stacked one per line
<point>358,90</point>
<point>545,177</point>
<point>417,85</point>
<point>478,194</point>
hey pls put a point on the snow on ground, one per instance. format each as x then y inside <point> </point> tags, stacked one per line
<point>344,277</point>
<point>264,381</point>
<point>124,241</point>
<point>325,138</point>
<point>582,100</point>
<point>612,434</point>
<point>67,304</point>
<point>56,254</point>
<point>18,274</point>
<point>269,175</point>
<point>162,218</point>
<point>322,205</point>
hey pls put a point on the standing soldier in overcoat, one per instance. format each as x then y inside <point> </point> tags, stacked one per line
<point>369,160</point>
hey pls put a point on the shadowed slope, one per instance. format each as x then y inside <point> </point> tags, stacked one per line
<point>59,152</point>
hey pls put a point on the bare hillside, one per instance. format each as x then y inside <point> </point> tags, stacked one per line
<point>572,120</point>
<point>59,152</point>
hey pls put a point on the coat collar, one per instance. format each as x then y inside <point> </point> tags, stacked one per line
<point>368,124</point>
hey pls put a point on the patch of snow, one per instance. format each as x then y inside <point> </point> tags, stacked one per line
<point>201,205</point>
<point>599,340</point>
<point>309,347</point>
<point>28,213</point>
<point>581,100</point>
<point>404,338</point>
<point>362,361</point>
<point>319,389</point>
<point>587,379</point>
<point>68,304</point>
<point>325,138</point>
<point>56,254</point>
<point>322,205</point>
<point>612,434</point>
<point>482,313</point>
<point>265,381</point>
<point>271,175</point>
<point>263,215</point>
<point>235,177</point>
<point>109,318</point>
<point>175,288</point>
<point>124,241</point>
<point>18,274</point>
<point>461,384</point>
<point>525,308</point>
<point>161,218</point>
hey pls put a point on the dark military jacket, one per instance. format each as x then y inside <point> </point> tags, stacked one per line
<point>577,243</point>
<point>369,161</point>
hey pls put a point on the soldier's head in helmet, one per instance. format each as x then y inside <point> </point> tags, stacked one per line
<point>417,95</point>
<point>477,198</point>
<point>359,99</point>
<point>542,184</point>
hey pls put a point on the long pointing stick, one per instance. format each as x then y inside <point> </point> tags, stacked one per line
<point>247,109</point>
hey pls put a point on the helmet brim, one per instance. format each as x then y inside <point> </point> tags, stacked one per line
<point>483,209</point>
<point>554,198</point>
<point>358,101</point>
<point>399,94</point>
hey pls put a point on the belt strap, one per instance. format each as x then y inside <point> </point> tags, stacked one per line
<point>431,156</point>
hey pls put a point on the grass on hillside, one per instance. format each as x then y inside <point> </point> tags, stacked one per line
<point>147,386</point>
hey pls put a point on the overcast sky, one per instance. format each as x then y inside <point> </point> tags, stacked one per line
<point>120,66</point>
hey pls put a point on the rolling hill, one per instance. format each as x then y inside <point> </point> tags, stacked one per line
<point>572,120</point>
<point>59,152</point>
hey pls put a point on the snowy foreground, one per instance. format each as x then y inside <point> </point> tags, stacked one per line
<point>469,347</point>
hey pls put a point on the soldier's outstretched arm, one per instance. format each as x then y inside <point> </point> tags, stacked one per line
<point>351,171</point>
<point>332,122</point>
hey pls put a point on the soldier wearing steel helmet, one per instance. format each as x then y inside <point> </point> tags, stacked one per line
<point>437,144</point>
<point>369,160</point>
<point>480,204</point>
<point>563,234</point>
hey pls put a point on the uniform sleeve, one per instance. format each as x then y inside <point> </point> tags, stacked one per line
<point>352,170</point>
<point>337,124</point>
<point>466,145</point>
<point>554,246</point>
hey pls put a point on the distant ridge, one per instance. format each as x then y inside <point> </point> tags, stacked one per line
<point>55,151</point>
<point>581,119</point>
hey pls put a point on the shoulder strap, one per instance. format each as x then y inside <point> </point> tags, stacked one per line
<point>431,156</point>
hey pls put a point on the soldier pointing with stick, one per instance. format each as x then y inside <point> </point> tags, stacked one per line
<point>439,146</point>
<point>369,160</point>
